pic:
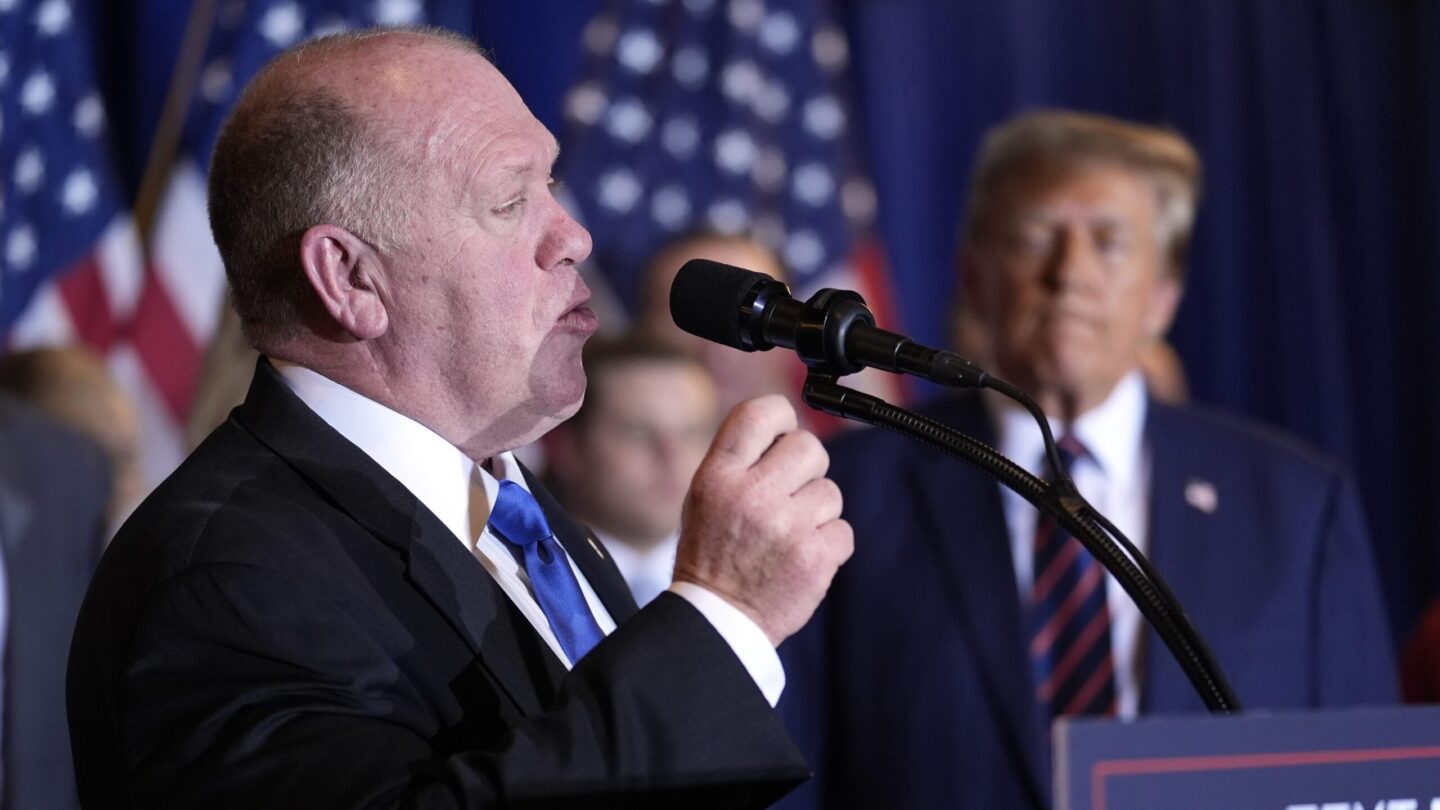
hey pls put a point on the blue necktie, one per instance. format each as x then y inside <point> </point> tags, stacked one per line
<point>517,518</point>
<point>1070,641</point>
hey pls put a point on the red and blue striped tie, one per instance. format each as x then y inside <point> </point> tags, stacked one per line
<point>1070,623</point>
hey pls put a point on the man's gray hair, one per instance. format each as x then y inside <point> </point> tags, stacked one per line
<point>1053,142</point>
<point>293,155</point>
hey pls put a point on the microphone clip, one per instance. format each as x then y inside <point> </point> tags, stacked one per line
<point>825,322</point>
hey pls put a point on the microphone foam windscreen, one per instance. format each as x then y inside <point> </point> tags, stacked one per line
<point>706,298</point>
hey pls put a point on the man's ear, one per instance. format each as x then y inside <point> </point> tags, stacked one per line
<point>345,272</point>
<point>1164,301</point>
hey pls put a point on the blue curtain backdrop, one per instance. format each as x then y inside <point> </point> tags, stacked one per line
<point>1312,301</point>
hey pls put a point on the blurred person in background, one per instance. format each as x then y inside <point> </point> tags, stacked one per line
<point>966,623</point>
<point>623,463</point>
<point>54,495</point>
<point>76,388</point>
<point>738,375</point>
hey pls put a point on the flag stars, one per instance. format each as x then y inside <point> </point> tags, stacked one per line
<point>804,251</point>
<point>600,34</point>
<point>619,190</point>
<point>690,66</point>
<point>282,25</point>
<point>89,116</point>
<point>586,103</point>
<point>628,120</point>
<point>700,8</point>
<point>52,17</point>
<point>8,5</point>
<point>769,171</point>
<point>670,207</point>
<point>772,102</point>
<point>779,33</point>
<point>20,247</point>
<point>824,118</point>
<point>745,15</point>
<point>216,80</point>
<point>829,49</point>
<point>740,81</point>
<point>728,216</point>
<point>37,93</point>
<point>857,199</point>
<point>398,12</point>
<point>79,192</point>
<point>680,136</point>
<point>29,170</point>
<point>639,51</point>
<point>735,151</point>
<point>813,184</point>
<point>4,67</point>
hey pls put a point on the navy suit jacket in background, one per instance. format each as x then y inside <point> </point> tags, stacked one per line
<point>54,486</point>
<point>912,689</point>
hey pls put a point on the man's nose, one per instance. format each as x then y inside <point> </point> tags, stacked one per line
<point>566,241</point>
<point>1074,265</point>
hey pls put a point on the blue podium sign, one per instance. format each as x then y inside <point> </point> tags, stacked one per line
<point>1358,759</point>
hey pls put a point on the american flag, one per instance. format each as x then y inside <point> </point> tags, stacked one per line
<point>72,270</point>
<point>728,116</point>
<point>70,267</point>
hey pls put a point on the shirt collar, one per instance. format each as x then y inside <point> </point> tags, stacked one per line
<point>1113,432</point>
<point>433,470</point>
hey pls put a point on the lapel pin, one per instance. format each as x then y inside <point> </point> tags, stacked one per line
<point>1201,495</point>
<point>595,545</point>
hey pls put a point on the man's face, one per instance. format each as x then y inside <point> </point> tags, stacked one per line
<point>634,455</point>
<point>1070,280</point>
<point>488,313</point>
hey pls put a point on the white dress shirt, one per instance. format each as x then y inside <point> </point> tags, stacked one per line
<point>1115,478</point>
<point>648,572</point>
<point>459,492</point>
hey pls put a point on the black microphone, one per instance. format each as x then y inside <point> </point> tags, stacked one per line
<point>833,331</point>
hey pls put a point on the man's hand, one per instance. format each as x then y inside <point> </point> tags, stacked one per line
<point>761,526</point>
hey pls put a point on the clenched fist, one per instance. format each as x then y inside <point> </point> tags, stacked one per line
<point>761,525</point>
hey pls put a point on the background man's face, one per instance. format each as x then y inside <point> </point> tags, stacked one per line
<point>1070,279</point>
<point>738,375</point>
<point>650,424</point>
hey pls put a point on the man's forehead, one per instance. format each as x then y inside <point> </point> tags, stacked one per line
<point>1095,193</point>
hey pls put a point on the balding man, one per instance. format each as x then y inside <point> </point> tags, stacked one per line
<point>352,594</point>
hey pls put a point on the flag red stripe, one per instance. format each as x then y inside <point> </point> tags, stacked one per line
<point>168,351</point>
<point>83,292</point>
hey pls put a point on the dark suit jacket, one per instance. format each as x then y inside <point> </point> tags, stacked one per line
<point>912,686</point>
<point>54,486</point>
<point>282,624</point>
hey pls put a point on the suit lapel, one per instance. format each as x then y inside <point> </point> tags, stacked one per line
<point>587,552</point>
<point>1177,548</point>
<point>966,525</point>
<point>436,563</point>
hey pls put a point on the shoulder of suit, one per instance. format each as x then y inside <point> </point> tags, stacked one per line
<point>1217,431</point>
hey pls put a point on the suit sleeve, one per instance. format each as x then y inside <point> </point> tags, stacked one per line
<point>259,693</point>
<point>1355,662</point>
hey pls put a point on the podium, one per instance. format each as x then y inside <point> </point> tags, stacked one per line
<point>1356,759</point>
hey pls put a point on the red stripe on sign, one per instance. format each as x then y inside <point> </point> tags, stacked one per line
<point>83,292</point>
<point>167,349</point>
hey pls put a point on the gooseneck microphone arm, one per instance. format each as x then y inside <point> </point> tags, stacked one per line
<point>834,334</point>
